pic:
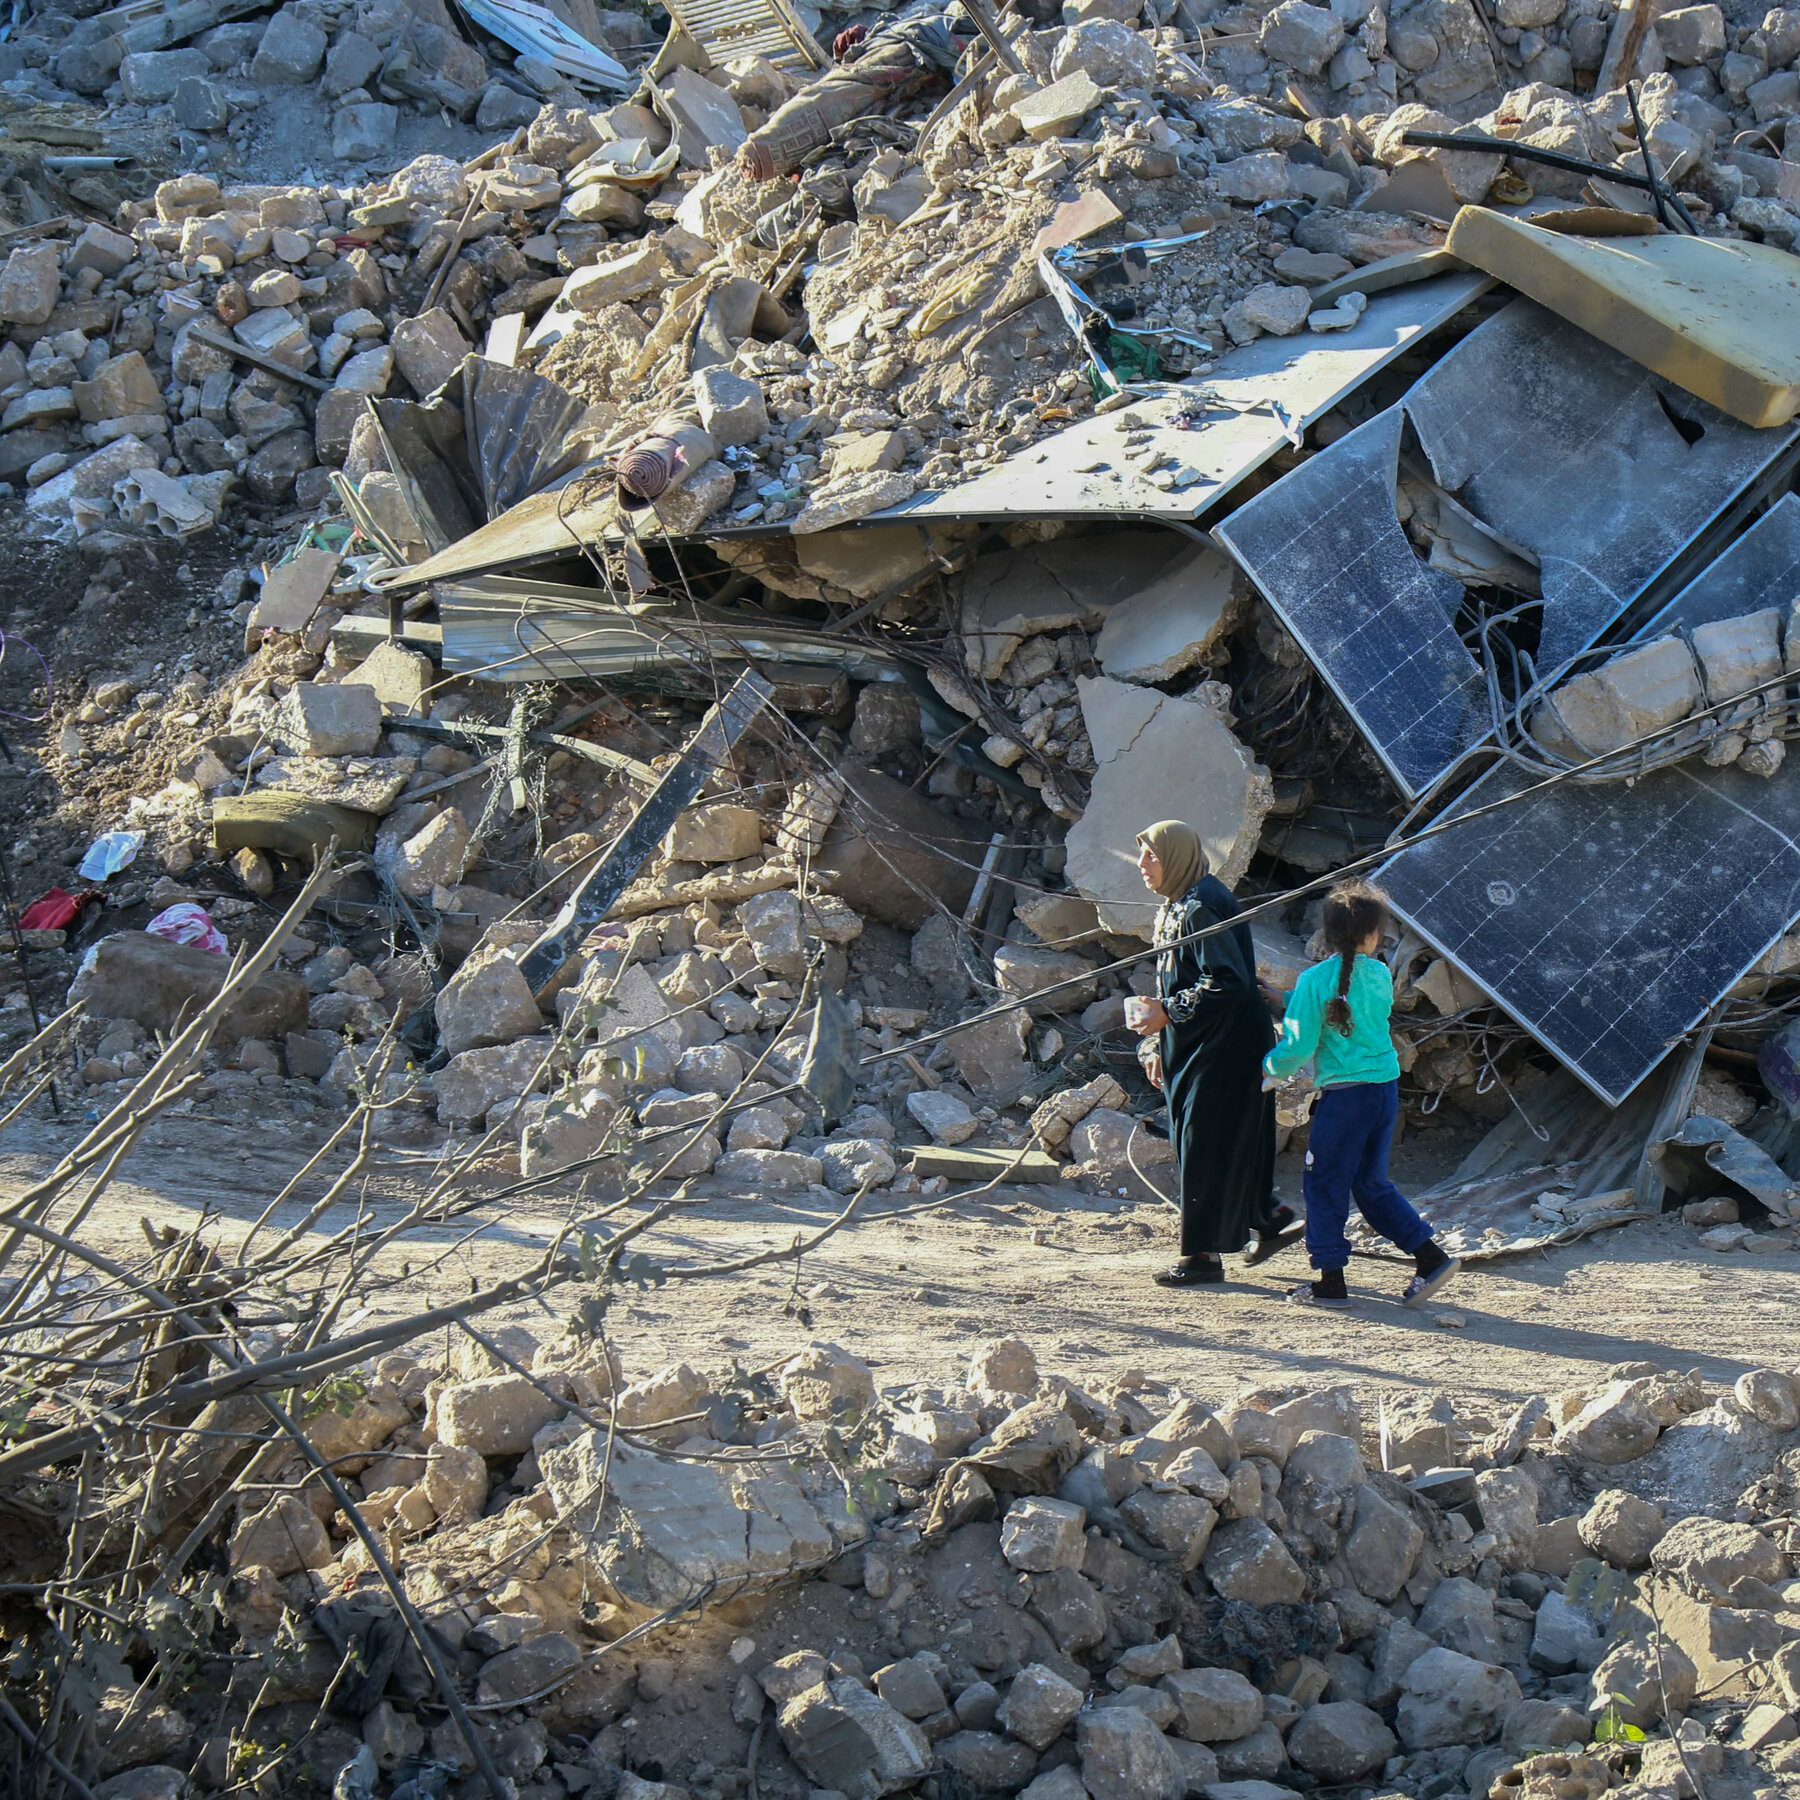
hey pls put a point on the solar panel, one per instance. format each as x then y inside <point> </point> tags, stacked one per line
<point>1757,571</point>
<point>1374,618</point>
<point>1603,471</point>
<point>1607,919</point>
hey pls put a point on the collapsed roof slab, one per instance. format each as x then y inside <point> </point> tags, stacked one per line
<point>1607,919</point>
<point>1609,476</point>
<point>1258,398</point>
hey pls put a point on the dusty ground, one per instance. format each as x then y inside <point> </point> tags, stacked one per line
<point>917,1284</point>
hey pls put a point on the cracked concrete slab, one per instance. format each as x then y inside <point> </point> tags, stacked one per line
<point>1159,756</point>
<point>1016,594</point>
<point>1174,622</point>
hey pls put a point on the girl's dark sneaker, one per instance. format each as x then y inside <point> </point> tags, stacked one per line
<point>1423,1286</point>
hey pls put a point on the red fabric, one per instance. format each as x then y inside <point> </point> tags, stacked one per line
<point>55,910</point>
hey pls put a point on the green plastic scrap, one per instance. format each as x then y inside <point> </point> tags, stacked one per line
<point>1130,358</point>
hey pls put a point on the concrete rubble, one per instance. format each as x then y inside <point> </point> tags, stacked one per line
<point>1223,1604</point>
<point>201,365</point>
<point>381,288</point>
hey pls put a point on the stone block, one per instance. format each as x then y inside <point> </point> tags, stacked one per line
<point>291,52</point>
<point>429,349</point>
<point>162,985</point>
<point>1159,757</point>
<point>317,719</point>
<point>30,283</point>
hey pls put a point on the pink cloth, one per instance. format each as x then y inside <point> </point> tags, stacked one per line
<point>186,923</point>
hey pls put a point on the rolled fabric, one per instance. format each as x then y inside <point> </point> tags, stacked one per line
<point>662,460</point>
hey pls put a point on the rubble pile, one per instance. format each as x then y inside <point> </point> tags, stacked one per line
<point>1021,1584</point>
<point>870,326</point>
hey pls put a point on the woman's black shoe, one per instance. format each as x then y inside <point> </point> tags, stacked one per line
<point>1283,1228</point>
<point>1191,1271</point>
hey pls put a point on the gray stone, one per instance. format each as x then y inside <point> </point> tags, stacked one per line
<point>157,1781</point>
<point>1038,1705</point>
<point>471,1084</point>
<point>911,1687</point>
<point>1247,1561</point>
<point>1302,36</point>
<point>201,105</point>
<point>364,132</point>
<point>282,1537</point>
<point>29,284</point>
<point>843,1737</point>
<point>513,1675</point>
<point>1172,624</point>
<point>1621,1529</point>
<point>946,1118</point>
<point>1070,1608</point>
<point>773,923</point>
<point>1459,1614</point>
<point>1057,110</point>
<point>1710,1558</point>
<point>1213,1706</point>
<point>1396,1648</point>
<point>496,1416</point>
<point>290,54</point>
<point>429,349</point>
<point>100,247</point>
<point>1644,1681</point>
<point>987,1762</point>
<point>1616,1426</point>
<point>317,719</point>
<point>1544,1725</point>
<point>1124,1757</point>
<point>1113,53</point>
<point>1254,1758</point>
<point>1254,180</point>
<point>161,985</point>
<point>852,1163</point>
<point>730,405</point>
<point>1564,1637</point>
<point>272,471</point>
<point>1159,757</point>
<point>487,1001</point>
<point>150,77</point>
<point>1447,1698</point>
<point>1039,1535</point>
<point>352,62</point>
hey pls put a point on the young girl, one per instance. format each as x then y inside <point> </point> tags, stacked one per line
<point>1338,1019</point>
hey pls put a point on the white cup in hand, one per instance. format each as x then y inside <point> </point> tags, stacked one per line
<point>1138,1013</point>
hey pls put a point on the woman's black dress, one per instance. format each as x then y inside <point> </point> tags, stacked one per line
<point>1220,1121</point>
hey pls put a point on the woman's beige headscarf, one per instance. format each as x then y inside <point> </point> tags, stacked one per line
<point>1177,848</point>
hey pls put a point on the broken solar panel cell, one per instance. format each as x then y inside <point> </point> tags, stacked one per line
<point>1601,470</point>
<point>1604,471</point>
<point>1761,569</point>
<point>1607,919</point>
<point>1373,617</point>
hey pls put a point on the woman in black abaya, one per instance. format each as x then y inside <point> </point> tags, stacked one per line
<point>1202,1041</point>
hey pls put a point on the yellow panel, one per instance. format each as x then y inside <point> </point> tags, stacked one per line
<point>1718,317</point>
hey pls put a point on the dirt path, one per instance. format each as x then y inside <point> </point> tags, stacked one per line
<point>914,1290</point>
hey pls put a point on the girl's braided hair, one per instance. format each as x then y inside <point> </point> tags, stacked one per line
<point>1352,910</point>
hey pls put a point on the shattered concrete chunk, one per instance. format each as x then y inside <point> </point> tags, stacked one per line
<point>1159,757</point>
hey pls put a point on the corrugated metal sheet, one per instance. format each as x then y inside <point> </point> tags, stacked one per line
<point>726,29</point>
<point>506,629</point>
